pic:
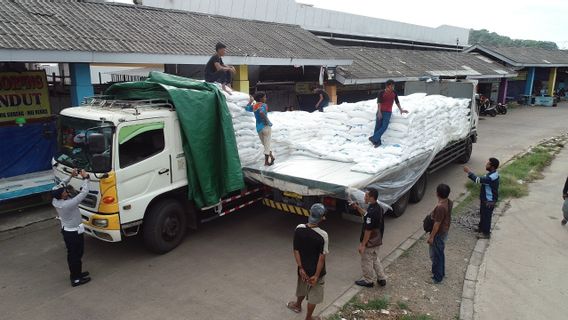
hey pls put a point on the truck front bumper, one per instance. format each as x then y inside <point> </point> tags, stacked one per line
<point>104,227</point>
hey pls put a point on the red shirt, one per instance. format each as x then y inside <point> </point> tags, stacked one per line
<point>386,99</point>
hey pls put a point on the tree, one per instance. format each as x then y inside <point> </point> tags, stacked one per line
<point>483,36</point>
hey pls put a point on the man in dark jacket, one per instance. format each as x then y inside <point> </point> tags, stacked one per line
<point>370,241</point>
<point>565,206</point>
<point>489,194</point>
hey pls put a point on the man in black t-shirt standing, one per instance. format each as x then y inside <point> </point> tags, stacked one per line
<point>370,241</point>
<point>217,71</point>
<point>323,99</point>
<point>310,248</point>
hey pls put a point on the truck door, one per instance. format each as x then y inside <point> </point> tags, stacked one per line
<point>143,167</point>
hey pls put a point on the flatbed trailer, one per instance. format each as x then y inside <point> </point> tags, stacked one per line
<point>296,183</point>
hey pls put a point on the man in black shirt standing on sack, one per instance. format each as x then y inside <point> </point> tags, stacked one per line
<point>310,248</point>
<point>370,241</point>
<point>217,71</point>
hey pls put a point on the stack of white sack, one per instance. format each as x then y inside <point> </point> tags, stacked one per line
<point>341,133</point>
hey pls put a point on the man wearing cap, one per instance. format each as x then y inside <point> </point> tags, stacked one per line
<point>370,241</point>
<point>217,71</point>
<point>488,195</point>
<point>310,248</point>
<point>71,225</point>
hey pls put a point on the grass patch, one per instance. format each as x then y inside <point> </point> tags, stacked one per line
<point>464,204</point>
<point>417,317</point>
<point>334,317</point>
<point>402,305</point>
<point>375,304</point>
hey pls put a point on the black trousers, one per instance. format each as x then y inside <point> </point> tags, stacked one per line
<point>486,213</point>
<point>221,76</point>
<point>75,244</point>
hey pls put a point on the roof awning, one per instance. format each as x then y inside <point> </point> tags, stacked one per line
<point>74,31</point>
<point>377,65</point>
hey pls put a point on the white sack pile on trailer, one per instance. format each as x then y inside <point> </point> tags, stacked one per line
<point>341,132</point>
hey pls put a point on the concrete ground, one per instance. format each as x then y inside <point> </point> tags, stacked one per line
<point>237,267</point>
<point>522,275</point>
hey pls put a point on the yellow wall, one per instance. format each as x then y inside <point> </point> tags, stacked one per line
<point>331,90</point>
<point>552,81</point>
<point>241,80</point>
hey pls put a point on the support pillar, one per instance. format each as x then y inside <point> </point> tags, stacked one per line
<point>331,90</point>
<point>81,86</point>
<point>530,81</point>
<point>503,90</point>
<point>552,81</point>
<point>241,81</point>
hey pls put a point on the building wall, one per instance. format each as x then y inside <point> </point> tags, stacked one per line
<point>316,19</point>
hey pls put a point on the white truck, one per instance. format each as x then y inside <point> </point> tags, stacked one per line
<point>133,150</point>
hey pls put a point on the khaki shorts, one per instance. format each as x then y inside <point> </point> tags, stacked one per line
<point>313,294</point>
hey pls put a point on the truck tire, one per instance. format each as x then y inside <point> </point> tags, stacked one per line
<point>164,226</point>
<point>400,205</point>
<point>468,149</point>
<point>419,189</point>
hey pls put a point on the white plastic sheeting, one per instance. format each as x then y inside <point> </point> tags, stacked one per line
<point>323,153</point>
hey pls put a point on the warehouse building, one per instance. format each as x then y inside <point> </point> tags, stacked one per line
<point>541,72</point>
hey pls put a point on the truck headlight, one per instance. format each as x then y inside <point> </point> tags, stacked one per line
<point>101,223</point>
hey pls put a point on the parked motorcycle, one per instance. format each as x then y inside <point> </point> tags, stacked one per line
<point>501,108</point>
<point>486,109</point>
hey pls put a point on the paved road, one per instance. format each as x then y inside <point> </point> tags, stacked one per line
<point>522,276</point>
<point>237,267</point>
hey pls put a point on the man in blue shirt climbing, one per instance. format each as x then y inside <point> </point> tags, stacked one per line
<point>488,195</point>
<point>263,125</point>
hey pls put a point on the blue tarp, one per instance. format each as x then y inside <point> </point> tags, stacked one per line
<point>27,149</point>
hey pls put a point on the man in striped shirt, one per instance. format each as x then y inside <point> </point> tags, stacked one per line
<point>489,194</point>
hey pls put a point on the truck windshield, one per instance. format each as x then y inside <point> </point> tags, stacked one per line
<point>73,151</point>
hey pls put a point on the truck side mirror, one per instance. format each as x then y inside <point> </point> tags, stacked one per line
<point>100,163</point>
<point>96,143</point>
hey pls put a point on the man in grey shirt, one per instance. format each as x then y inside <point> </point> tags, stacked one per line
<point>71,225</point>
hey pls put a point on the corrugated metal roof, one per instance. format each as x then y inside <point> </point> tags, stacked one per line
<point>525,57</point>
<point>118,28</point>
<point>375,65</point>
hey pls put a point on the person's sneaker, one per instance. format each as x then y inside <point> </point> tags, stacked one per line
<point>434,281</point>
<point>85,274</point>
<point>364,283</point>
<point>377,145</point>
<point>483,236</point>
<point>564,222</point>
<point>78,282</point>
<point>476,229</point>
<point>382,283</point>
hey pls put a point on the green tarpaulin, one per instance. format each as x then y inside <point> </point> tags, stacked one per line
<point>213,165</point>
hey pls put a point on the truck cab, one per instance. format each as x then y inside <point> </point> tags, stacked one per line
<point>133,152</point>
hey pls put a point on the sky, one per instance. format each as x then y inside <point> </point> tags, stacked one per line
<point>545,20</point>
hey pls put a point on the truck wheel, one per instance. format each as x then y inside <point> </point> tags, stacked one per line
<point>164,226</point>
<point>468,149</point>
<point>400,205</point>
<point>419,189</point>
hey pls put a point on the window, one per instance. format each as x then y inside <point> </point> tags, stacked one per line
<point>140,142</point>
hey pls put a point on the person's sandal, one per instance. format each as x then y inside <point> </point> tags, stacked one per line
<point>292,306</point>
